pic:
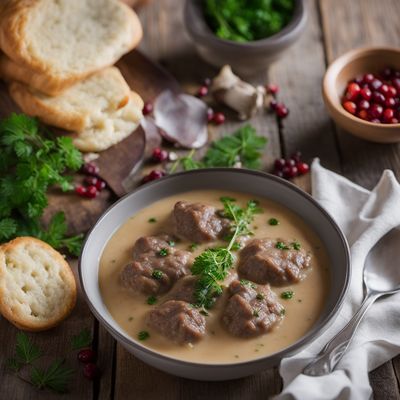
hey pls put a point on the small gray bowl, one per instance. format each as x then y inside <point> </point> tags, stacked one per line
<point>244,58</point>
<point>253,183</point>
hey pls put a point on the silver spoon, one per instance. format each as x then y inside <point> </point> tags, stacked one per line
<point>377,283</point>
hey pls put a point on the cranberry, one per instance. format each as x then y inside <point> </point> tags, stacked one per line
<point>90,371</point>
<point>147,108</point>
<point>353,90</point>
<point>388,114</point>
<point>86,356</point>
<point>210,114</point>
<point>203,91</point>
<point>359,80</point>
<point>90,169</point>
<point>392,92</point>
<point>390,102</point>
<point>272,89</point>
<point>100,185</point>
<point>286,172</point>
<point>375,120</point>
<point>363,105</point>
<point>91,180</point>
<point>280,163</point>
<point>153,175</point>
<point>296,156</point>
<point>376,111</point>
<point>159,155</point>
<point>384,89</point>
<point>290,162</point>
<point>394,121</point>
<point>281,110</point>
<point>387,72</point>
<point>303,168</point>
<point>366,93</point>
<point>396,83</point>
<point>378,98</point>
<point>91,192</point>
<point>207,82</point>
<point>293,172</point>
<point>350,107</point>
<point>376,84</point>
<point>80,190</point>
<point>219,118</point>
<point>273,104</point>
<point>368,78</point>
<point>363,114</point>
<point>279,173</point>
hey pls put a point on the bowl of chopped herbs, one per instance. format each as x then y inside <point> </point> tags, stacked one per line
<point>246,34</point>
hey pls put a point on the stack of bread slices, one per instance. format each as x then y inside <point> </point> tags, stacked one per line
<point>57,57</point>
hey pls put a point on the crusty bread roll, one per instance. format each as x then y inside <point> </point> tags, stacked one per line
<point>37,286</point>
<point>51,44</point>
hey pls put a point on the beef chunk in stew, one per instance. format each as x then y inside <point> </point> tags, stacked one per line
<point>177,321</point>
<point>197,222</point>
<point>156,265</point>
<point>184,289</point>
<point>251,310</point>
<point>272,261</point>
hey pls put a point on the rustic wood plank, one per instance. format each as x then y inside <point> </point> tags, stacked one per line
<point>383,381</point>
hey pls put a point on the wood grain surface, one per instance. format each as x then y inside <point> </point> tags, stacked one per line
<point>333,27</point>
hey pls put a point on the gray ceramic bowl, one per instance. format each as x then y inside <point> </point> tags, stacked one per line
<point>250,182</point>
<point>244,58</point>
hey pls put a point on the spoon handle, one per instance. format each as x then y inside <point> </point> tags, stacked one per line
<point>326,361</point>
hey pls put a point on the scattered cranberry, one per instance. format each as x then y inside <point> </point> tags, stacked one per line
<point>210,114</point>
<point>280,163</point>
<point>147,108</point>
<point>296,156</point>
<point>290,162</point>
<point>207,82</point>
<point>303,168</point>
<point>91,180</point>
<point>90,371</point>
<point>90,169</point>
<point>153,175</point>
<point>272,105</point>
<point>281,110</point>
<point>203,91</point>
<point>219,118</point>
<point>91,192</point>
<point>81,190</point>
<point>100,185</point>
<point>159,155</point>
<point>272,89</point>
<point>291,167</point>
<point>86,356</point>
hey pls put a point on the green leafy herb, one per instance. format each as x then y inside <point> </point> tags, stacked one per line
<point>296,245</point>
<point>193,246</point>
<point>151,220</point>
<point>32,161</point>
<point>213,264</point>
<point>157,274</point>
<point>55,377</point>
<point>171,243</point>
<point>245,282</point>
<point>151,300</point>
<point>204,312</point>
<point>81,340</point>
<point>281,246</point>
<point>236,246</point>
<point>25,350</point>
<point>256,313</point>
<point>163,252</point>
<point>143,335</point>
<point>287,295</point>
<point>260,296</point>
<point>247,20</point>
<point>273,221</point>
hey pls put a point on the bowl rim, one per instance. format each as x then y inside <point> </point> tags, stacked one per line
<point>337,65</point>
<point>285,352</point>
<point>294,26</point>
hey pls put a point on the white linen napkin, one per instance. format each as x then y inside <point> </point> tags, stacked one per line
<point>370,221</point>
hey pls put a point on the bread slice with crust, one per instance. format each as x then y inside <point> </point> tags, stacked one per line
<point>79,107</point>
<point>54,43</point>
<point>37,286</point>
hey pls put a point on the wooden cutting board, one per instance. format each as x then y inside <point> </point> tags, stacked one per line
<point>146,78</point>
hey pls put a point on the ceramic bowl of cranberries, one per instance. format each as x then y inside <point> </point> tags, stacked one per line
<point>361,90</point>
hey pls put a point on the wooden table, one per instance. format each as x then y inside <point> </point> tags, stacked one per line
<point>333,27</point>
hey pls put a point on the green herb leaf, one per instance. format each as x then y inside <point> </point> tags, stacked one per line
<point>193,246</point>
<point>281,246</point>
<point>157,274</point>
<point>26,351</point>
<point>143,335</point>
<point>151,300</point>
<point>151,220</point>
<point>273,221</point>
<point>163,252</point>
<point>260,296</point>
<point>296,245</point>
<point>81,340</point>
<point>55,377</point>
<point>287,295</point>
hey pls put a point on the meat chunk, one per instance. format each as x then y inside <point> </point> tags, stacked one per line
<point>197,222</point>
<point>184,290</point>
<point>156,265</point>
<point>177,321</point>
<point>272,261</point>
<point>251,310</point>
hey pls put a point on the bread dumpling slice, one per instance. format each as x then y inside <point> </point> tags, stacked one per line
<point>37,286</point>
<point>52,44</point>
<point>78,107</point>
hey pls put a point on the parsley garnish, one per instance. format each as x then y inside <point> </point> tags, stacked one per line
<point>287,295</point>
<point>143,335</point>
<point>171,243</point>
<point>296,245</point>
<point>55,377</point>
<point>151,300</point>
<point>81,340</point>
<point>193,246</point>
<point>273,221</point>
<point>157,274</point>
<point>213,264</point>
<point>31,161</point>
<point>245,282</point>
<point>283,312</point>
<point>256,313</point>
<point>163,252</point>
<point>236,246</point>
<point>151,220</point>
<point>281,246</point>
<point>260,296</point>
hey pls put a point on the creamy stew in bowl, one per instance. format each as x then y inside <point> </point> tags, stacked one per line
<point>215,277</point>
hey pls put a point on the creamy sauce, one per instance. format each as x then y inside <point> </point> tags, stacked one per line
<point>218,346</point>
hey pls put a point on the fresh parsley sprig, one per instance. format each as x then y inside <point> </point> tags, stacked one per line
<point>212,265</point>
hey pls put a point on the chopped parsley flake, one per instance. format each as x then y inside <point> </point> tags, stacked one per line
<point>143,335</point>
<point>245,282</point>
<point>157,274</point>
<point>171,243</point>
<point>151,220</point>
<point>281,246</point>
<point>151,300</point>
<point>283,312</point>
<point>236,246</point>
<point>273,222</point>
<point>204,312</point>
<point>193,246</point>
<point>163,252</point>
<point>296,245</point>
<point>287,295</point>
<point>260,296</point>
<point>256,313</point>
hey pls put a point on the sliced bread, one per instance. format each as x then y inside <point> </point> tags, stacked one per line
<point>79,107</point>
<point>55,43</point>
<point>37,286</point>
